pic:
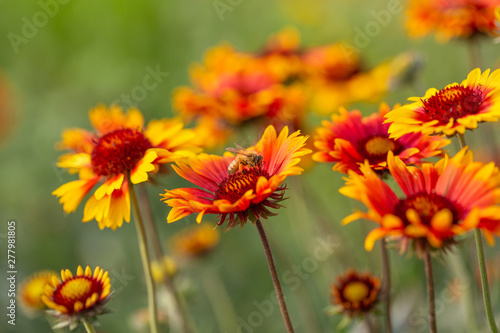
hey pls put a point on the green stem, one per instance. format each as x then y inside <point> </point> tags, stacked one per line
<point>146,262</point>
<point>484,280</point>
<point>461,140</point>
<point>276,280</point>
<point>386,285</point>
<point>88,326</point>
<point>220,301</point>
<point>178,316</point>
<point>430,290</point>
<point>482,266</point>
<point>369,324</point>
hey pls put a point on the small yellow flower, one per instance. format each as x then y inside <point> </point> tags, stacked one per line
<point>355,293</point>
<point>77,297</point>
<point>160,269</point>
<point>196,241</point>
<point>32,289</point>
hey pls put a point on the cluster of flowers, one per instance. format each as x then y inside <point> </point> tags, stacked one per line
<point>278,84</point>
<point>441,200</point>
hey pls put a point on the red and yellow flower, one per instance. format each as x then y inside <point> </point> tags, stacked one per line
<point>32,290</point>
<point>246,194</point>
<point>451,19</point>
<point>238,88</point>
<point>451,110</point>
<point>350,140</point>
<point>77,297</point>
<point>355,293</point>
<point>121,150</point>
<point>440,201</point>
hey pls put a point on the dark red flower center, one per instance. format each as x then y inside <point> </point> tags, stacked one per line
<point>426,205</point>
<point>77,289</point>
<point>454,103</point>
<point>119,151</point>
<point>237,184</point>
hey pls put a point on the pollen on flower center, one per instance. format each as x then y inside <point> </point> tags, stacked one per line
<point>74,290</point>
<point>118,152</point>
<point>356,291</point>
<point>235,185</point>
<point>426,205</point>
<point>455,102</point>
<point>379,146</point>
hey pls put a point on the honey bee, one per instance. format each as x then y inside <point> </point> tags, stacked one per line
<point>243,159</point>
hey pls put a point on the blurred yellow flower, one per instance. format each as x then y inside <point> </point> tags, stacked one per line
<point>32,289</point>
<point>451,19</point>
<point>354,293</point>
<point>196,241</point>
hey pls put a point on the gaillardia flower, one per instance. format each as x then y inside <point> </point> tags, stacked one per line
<point>78,297</point>
<point>440,201</point>
<point>249,192</point>
<point>355,293</point>
<point>32,290</point>
<point>120,150</point>
<point>196,241</point>
<point>451,19</point>
<point>351,139</point>
<point>451,110</point>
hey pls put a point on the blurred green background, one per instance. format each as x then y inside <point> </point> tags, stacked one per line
<point>92,52</point>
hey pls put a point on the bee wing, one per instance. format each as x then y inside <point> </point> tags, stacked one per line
<point>238,150</point>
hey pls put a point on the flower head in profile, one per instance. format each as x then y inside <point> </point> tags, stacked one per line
<point>451,19</point>
<point>350,140</point>
<point>119,151</point>
<point>246,192</point>
<point>440,201</point>
<point>196,241</point>
<point>77,297</point>
<point>32,290</point>
<point>451,110</point>
<point>354,293</point>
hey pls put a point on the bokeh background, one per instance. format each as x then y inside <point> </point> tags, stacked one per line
<point>92,52</point>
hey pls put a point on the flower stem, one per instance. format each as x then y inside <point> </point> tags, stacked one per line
<point>274,275</point>
<point>482,266</point>
<point>146,263</point>
<point>484,280</point>
<point>430,290</point>
<point>178,317</point>
<point>88,326</point>
<point>461,140</point>
<point>386,285</point>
